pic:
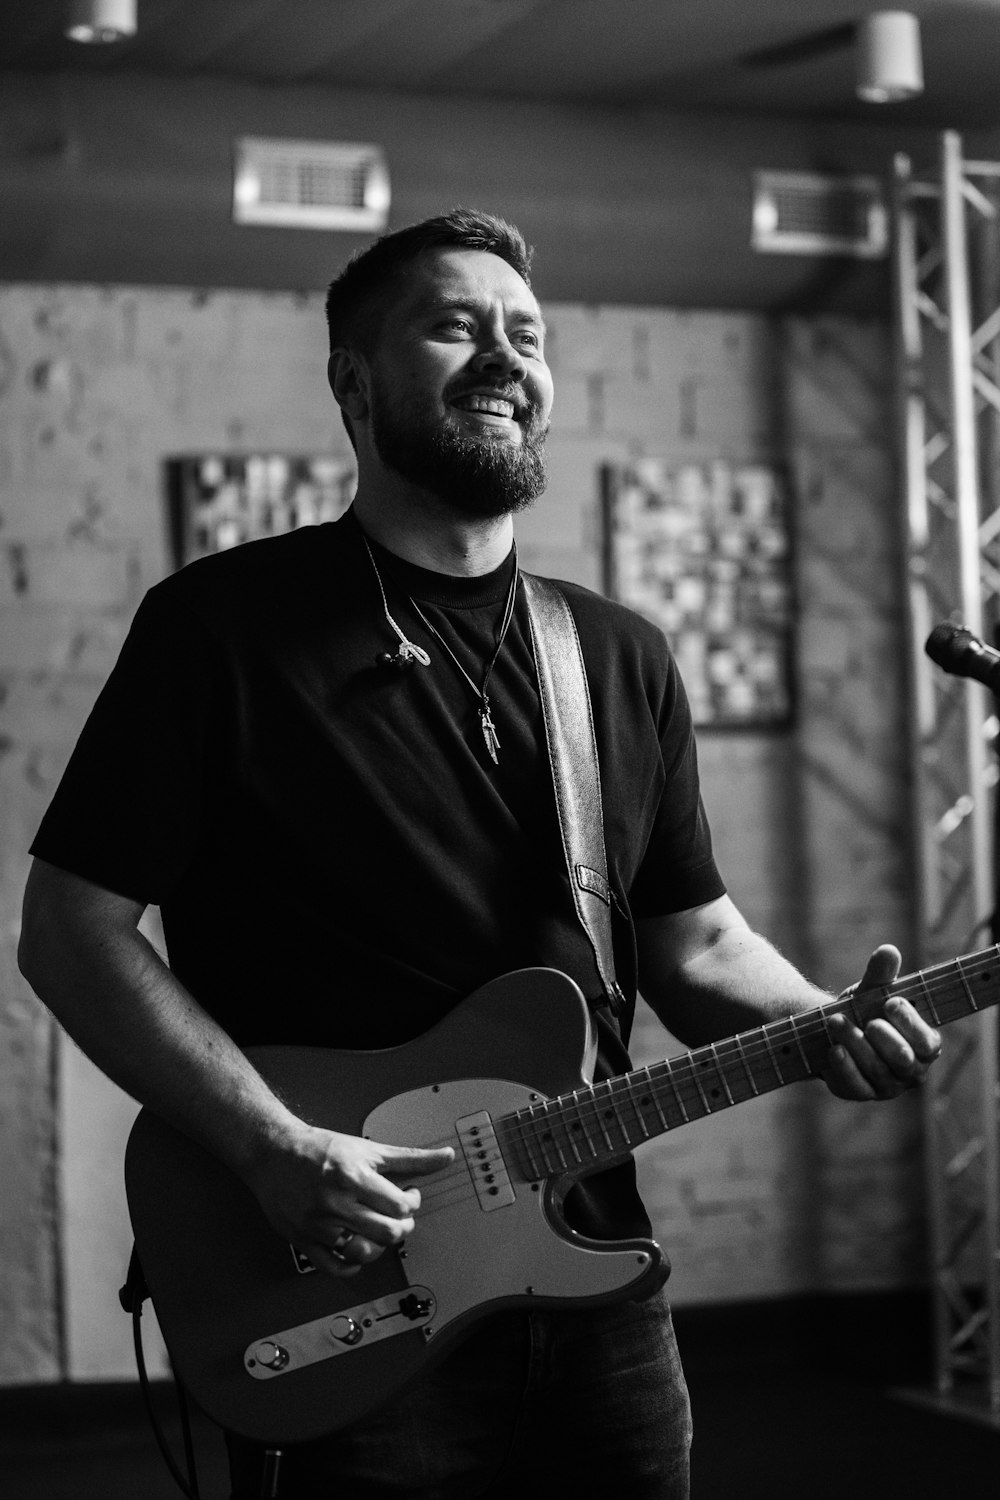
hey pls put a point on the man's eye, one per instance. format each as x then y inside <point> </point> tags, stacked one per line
<point>458,325</point>
<point>528,338</point>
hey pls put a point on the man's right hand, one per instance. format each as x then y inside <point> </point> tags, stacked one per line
<point>341,1199</point>
<point>83,954</point>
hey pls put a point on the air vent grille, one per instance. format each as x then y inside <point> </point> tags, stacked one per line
<point>310,184</point>
<point>799,213</point>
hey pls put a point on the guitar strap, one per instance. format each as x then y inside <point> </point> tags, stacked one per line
<point>572,748</point>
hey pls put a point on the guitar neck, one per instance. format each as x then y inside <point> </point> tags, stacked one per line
<point>596,1125</point>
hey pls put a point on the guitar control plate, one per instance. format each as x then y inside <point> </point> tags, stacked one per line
<point>277,1354</point>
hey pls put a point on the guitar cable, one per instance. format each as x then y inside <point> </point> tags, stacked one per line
<point>131,1297</point>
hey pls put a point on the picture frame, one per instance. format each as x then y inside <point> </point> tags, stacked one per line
<point>218,500</point>
<point>703,550</point>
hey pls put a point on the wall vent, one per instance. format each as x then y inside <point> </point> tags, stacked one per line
<point>310,184</point>
<point>803,213</point>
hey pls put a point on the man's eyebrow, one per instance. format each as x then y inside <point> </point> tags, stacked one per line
<point>530,316</point>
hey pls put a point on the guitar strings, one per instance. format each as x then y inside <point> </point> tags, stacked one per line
<point>684,1073</point>
<point>686,1076</point>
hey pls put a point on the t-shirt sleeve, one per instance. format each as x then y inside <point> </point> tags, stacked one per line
<point>678,869</point>
<point>127,813</point>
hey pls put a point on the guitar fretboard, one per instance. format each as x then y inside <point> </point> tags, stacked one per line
<point>594,1126</point>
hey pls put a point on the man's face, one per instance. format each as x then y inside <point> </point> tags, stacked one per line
<point>461,393</point>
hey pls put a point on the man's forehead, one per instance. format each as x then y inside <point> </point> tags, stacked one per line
<point>445,277</point>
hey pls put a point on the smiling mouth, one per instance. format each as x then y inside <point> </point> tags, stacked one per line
<point>486,406</point>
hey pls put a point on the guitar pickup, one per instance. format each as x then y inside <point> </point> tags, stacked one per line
<point>484,1160</point>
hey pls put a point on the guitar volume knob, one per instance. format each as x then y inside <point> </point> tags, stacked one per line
<point>271,1355</point>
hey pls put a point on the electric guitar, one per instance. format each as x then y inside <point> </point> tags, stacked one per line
<point>276,1351</point>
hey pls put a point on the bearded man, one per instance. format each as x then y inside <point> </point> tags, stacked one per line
<point>324,757</point>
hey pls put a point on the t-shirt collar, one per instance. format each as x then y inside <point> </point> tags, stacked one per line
<point>430,587</point>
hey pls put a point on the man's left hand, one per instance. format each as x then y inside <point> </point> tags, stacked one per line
<point>894,1051</point>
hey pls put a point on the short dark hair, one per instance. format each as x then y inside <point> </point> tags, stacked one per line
<point>358,296</point>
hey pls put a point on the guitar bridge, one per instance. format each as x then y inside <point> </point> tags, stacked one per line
<point>484,1160</point>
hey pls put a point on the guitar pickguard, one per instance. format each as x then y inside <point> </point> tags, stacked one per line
<point>513,1245</point>
<point>510,1248</point>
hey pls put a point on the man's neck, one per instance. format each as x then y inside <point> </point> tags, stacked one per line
<point>424,530</point>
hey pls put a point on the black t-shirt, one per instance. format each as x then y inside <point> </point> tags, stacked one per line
<point>336,858</point>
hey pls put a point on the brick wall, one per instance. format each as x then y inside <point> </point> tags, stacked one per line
<point>99,385</point>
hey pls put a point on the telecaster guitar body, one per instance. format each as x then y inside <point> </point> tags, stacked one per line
<point>284,1355</point>
<point>274,1353</point>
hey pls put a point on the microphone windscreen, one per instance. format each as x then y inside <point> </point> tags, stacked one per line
<point>947,644</point>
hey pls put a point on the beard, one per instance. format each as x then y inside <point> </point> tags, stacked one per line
<point>484,476</point>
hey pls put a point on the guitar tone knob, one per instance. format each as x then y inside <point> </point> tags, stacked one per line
<point>346,1331</point>
<point>271,1355</point>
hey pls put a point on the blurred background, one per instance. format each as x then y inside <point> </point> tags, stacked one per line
<point>766,244</point>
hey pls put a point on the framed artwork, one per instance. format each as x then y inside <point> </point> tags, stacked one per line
<point>703,550</point>
<point>217,500</point>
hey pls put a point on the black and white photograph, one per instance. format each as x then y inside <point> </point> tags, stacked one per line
<point>499,749</point>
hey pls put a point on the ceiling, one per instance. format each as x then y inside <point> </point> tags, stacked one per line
<point>680,54</point>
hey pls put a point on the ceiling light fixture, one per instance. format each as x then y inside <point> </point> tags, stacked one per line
<point>887,57</point>
<point>101,20</point>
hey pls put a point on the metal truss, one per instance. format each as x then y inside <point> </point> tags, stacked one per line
<point>946,249</point>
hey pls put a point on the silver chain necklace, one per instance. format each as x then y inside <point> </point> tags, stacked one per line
<point>409,652</point>
<point>490,738</point>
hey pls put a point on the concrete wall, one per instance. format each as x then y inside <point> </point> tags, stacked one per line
<point>799,1191</point>
<point>99,384</point>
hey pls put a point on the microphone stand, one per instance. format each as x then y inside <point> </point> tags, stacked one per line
<point>995,918</point>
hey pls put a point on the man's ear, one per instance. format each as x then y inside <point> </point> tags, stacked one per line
<point>347,372</point>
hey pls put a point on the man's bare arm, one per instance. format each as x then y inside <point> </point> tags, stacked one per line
<point>82,953</point>
<point>708,975</point>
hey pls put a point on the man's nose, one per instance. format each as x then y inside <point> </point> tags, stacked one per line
<point>499,354</point>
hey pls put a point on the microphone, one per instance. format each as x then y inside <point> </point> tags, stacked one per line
<point>401,662</point>
<point>955,649</point>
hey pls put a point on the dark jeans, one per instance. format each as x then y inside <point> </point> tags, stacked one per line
<point>540,1403</point>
